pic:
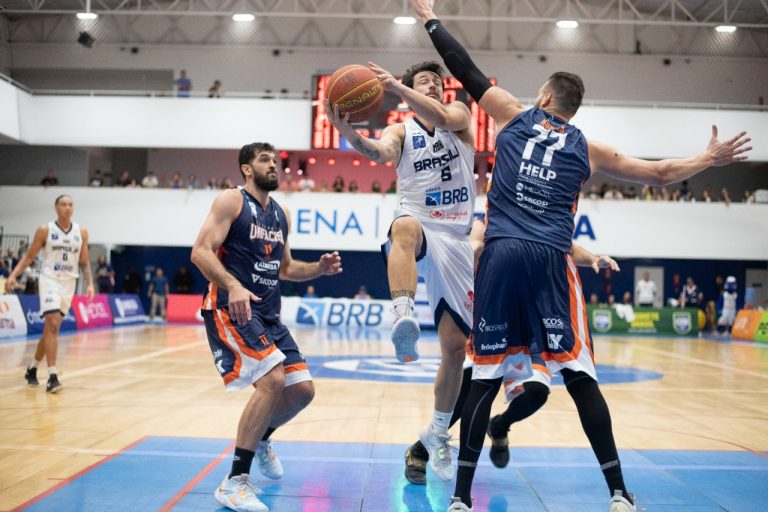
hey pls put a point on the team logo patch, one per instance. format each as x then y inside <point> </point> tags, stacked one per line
<point>681,322</point>
<point>433,198</point>
<point>419,141</point>
<point>54,236</point>
<point>310,312</point>
<point>602,320</point>
<point>437,146</point>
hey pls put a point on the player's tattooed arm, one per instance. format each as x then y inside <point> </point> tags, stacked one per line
<point>371,153</point>
<point>402,293</point>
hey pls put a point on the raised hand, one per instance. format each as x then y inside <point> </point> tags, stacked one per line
<point>341,123</point>
<point>728,151</point>
<point>388,81</point>
<point>605,262</point>
<point>423,9</point>
<point>330,263</point>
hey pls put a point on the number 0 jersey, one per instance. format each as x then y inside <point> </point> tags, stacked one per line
<point>541,164</point>
<point>436,179</point>
<point>61,253</point>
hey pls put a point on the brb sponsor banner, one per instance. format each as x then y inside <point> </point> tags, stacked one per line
<point>664,321</point>
<point>35,321</point>
<point>184,309</point>
<point>12,322</point>
<point>95,313</point>
<point>126,309</point>
<point>328,312</point>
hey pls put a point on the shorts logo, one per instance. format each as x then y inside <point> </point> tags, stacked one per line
<point>483,326</point>
<point>602,320</point>
<point>553,341</point>
<point>681,322</point>
<point>437,146</point>
<point>264,340</point>
<point>495,346</point>
<point>419,141</point>
<point>552,323</point>
<point>310,312</point>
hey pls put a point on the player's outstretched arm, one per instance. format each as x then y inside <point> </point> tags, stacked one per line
<point>454,117</point>
<point>387,149</point>
<point>607,160</point>
<point>295,270</point>
<point>38,241</point>
<point>85,265</point>
<point>498,103</point>
<point>584,258</point>
<point>225,209</point>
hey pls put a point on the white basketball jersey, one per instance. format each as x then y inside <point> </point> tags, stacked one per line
<point>436,179</point>
<point>61,254</point>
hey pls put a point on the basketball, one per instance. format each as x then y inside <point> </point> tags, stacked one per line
<point>356,90</point>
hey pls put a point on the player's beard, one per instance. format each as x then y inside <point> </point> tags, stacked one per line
<point>265,182</point>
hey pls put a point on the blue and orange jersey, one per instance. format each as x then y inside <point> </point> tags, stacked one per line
<point>252,253</point>
<point>541,164</point>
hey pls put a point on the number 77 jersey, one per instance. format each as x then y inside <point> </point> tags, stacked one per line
<point>541,164</point>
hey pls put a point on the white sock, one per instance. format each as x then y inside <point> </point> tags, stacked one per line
<point>34,363</point>
<point>441,421</point>
<point>51,370</point>
<point>403,306</point>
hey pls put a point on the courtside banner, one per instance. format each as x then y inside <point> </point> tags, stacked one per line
<point>328,312</point>
<point>745,325</point>
<point>126,309</point>
<point>12,321</point>
<point>664,321</point>
<point>184,309</point>
<point>35,321</point>
<point>761,333</point>
<point>95,313</point>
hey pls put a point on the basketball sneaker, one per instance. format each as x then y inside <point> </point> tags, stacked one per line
<point>269,465</point>
<point>458,506</point>
<point>405,333</point>
<point>31,376</point>
<point>620,504</point>
<point>499,443</point>
<point>416,458</point>
<point>238,493</point>
<point>53,386</point>
<point>439,452</point>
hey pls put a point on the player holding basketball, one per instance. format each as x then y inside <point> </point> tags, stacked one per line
<point>65,252</point>
<point>529,307</point>
<point>243,250</point>
<point>434,155</point>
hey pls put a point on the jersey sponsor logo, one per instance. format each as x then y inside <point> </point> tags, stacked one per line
<point>437,146</point>
<point>257,279</point>
<point>60,267</point>
<point>446,197</point>
<point>54,236</point>
<point>553,323</point>
<point>534,171</point>
<point>522,187</point>
<point>484,326</point>
<point>522,198</point>
<point>419,141</point>
<point>437,214</point>
<point>267,266</point>
<point>681,322</point>
<point>553,341</point>
<point>270,235</point>
<point>435,162</point>
<point>469,304</point>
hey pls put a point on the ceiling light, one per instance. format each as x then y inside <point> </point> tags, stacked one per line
<point>243,16</point>
<point>726,29</point>
<point>87,15</point>
<point>404,20</point>
<point>567,24</point>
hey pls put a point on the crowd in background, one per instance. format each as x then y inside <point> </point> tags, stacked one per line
<point>647,193</point>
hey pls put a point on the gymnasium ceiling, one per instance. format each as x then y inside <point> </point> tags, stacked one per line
<point>656,27</point>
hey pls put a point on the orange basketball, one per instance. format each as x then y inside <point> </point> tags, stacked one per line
<point>356,90</point>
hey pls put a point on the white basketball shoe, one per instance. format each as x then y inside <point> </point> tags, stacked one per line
<point>238,493</point>
<point>620,504</point>
<point>269,465</point>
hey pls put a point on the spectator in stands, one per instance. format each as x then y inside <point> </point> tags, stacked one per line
<point>689,197</point>
<point>631,193</point>
<point>594,300</point>
<point>124,180</point>
<point>183,282</point>
<point>353,186</point>
<point>183,85</point>
<point>324,186</point>
<point>150,180</point>
<point>645,291</point>
<point>691,296</point>
<point>725,196</point>
<point>310,293</point>
<point>50,180</point>
<point>158,292</point>
<point>665,194</point>
<point>214,91</point>
<point>212,184</point>
<point>627,298</point>
<point>676,197</point>
<point>192,182</point>
<point>748,197</point>
<point>306,184</point>
<point>22,250</point>
<point>604,190</point>
<point>392,187</point>
<point>4,272</point>
<point>338,184</point>
<point>611,300</point>
<point>227,183</point>
<point>706,196</point>
<point>105,275</point>
<point>176,181</point>
<point>614,193</point>
<point>96,180</point>
<point>10,260</point>
<point>684,188</point>
<point>132,281</point>
<point>362,294</point>
<point>134,183</point>
<point>286,183</point>
<point>376,187</point>
<point>594,192</point>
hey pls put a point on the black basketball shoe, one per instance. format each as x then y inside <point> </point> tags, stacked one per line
<point>416,458</point>
<point>31,376</point>
<point>54,386</point>
<point>499,443</point>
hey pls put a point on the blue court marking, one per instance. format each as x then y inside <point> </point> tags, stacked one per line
<point>377,368</point>
<point>346,477</point>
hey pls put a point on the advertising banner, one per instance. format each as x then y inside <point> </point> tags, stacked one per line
<point>126,309</point>
<point>95,313</point>
<point>761,333</point>
<point>184,309</point>
<point>12,322</point>
<point>35,321</point>
<point>664,322</point>
<point>746,323</point>
<point>328,312</point>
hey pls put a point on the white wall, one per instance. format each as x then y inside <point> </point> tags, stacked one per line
<point>607,77</point>
<point>9,109</point>
<point>173,218</point>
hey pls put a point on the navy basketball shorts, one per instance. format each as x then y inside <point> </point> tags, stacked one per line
<point>530,319</point>
<point>243,354</point>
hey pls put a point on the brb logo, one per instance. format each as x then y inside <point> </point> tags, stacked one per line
<point>447,197</point>
<point>339,313</point>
